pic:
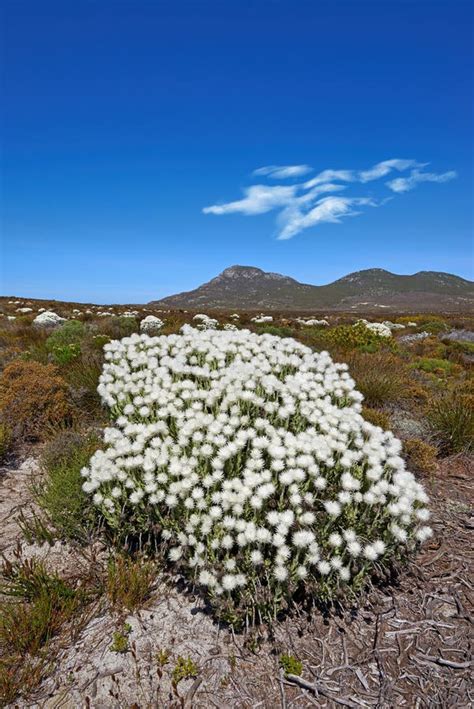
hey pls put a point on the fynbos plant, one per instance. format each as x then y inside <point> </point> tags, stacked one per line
<point>249,456</point>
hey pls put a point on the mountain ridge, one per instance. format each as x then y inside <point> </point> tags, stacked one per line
<point>252,288</point>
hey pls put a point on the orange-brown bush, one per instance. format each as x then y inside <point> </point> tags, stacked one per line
<point>421,456</point>
<point>33,399</point>
<point>376,417</point>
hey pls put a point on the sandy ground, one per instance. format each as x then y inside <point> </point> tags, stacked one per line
<point>405,645</point>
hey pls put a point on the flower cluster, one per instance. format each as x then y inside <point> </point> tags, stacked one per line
<point>379,328</point>
<point>48,319</point>
<point>249,456</point>
<point>206,322</point>
<point>151,324</point>
<point>259,319</point>
<point>313,322</point>
<point>393,325</point>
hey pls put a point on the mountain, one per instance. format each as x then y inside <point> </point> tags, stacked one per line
<point>247,287</point>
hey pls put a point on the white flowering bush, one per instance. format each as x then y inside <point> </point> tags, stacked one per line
<point>151,324</point>
<point>313,322</point>
<point>48,319</point>
<point>206,322</point>
<point>260,319</point>
<point>379,328</point>
<point>393,325</point>
<point>248,458</point>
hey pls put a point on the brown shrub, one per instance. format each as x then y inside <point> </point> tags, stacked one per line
<point>376,417</point>
<point>33,399</point>
<point>421,457</point>
<point>380,377</point>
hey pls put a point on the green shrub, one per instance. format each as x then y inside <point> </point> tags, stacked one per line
<point>452,419</point>
<point>434,326</point>
<point>184,669</point>
<point>120,639</point>
<point>97,342</point>
<point>291,665</point>
<point>274,330</point>
<point>71,332</point>
<point>59,494</point>
<point>358,336</point>
<point>64,354</point>
<point>440,367</point>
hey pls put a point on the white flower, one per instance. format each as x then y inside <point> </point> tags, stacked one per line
<point>324,568</point>
<point>175,553</point>
<point>424,533</point>
<point>332,508</point>
<point>280,573</point>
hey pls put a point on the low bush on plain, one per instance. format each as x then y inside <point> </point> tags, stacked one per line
<point>248,457</point>
<point>34,399</point>
<point>71,332</point>
<point>357,337</point>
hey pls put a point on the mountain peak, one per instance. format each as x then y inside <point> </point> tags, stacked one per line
<point>250,272</point>
<point>251,288</point>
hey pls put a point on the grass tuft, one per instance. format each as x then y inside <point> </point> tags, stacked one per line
<point>129,582</point>
<point>381,378</point>
<point>451,418</point>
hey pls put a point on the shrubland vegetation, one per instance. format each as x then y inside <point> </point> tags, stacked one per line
<point>49,405</point>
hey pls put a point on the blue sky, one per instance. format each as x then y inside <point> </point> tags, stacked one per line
<point>123,121</point>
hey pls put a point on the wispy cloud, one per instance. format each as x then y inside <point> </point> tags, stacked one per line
<point>405,184</point>
<point>328,209</point>
<point>282,172</point>
<point>258,200</point>
<point>383,168</point>
<point>302,205</point>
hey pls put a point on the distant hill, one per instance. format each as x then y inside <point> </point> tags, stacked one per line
<point>247,287</point>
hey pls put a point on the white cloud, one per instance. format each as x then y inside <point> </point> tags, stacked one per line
<point>328,175</point>
<point>383,168</point>
<point>258,200</point>
<point>405,184</point>
<point>328,209</point>
<point>281,172</point>
<point>301,206</point>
